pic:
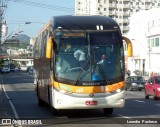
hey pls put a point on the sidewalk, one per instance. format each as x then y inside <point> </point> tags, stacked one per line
<point>2,109</point>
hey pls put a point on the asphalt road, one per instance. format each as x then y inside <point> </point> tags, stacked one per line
<point>22,103</point>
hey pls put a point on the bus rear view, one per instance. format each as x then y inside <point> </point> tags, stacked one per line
<point>83,65</point>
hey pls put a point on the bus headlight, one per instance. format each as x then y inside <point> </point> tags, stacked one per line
<point>118,90</point>
<point>63,91</point>
<point>158,89</point>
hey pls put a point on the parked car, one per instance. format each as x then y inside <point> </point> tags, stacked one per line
<point>31,71</point>
<point>28,68</point>
<point>135,82</point>
<point>152,87</point>
<point>12,67</point>
<point>5,69</point>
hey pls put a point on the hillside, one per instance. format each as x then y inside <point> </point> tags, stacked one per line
<point>23,38</point>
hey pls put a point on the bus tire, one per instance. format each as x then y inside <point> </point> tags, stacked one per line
<point>154,96</point>
<point>146,95</point>
<point>40,102</point>
<point>54,111</point>
<point>108,111</point>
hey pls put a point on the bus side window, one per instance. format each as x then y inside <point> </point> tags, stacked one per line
<point>51,62</point>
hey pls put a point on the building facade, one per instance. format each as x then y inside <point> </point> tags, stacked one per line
<point>145,35</point>
<point>119,10</point>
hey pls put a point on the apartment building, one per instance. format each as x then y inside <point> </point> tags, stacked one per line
<point>119,10</point>
<point>145,35</point>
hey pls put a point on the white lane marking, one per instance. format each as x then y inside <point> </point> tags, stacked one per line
<point>158,105</point>
<point>10,102</point>
<point>139,101</point>
<point>126,117</point>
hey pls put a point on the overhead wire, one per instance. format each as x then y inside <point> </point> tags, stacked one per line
<point>46,6</point>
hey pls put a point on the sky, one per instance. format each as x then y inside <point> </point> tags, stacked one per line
<point>35,11</point>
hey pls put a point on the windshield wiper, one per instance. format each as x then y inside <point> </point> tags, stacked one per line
<point>101,72</point>
<point>82,70</point>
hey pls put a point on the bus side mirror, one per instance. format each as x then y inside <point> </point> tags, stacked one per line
<point>49,48</point>
<point>129,46</point>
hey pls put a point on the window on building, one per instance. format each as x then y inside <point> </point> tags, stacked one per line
<point>152,42</point>
<point>105,1</point>
<point>99,1</point>
<point>125,17</point>
<point>157,42</point>
<point>153,4</point>
<point>105,9</point>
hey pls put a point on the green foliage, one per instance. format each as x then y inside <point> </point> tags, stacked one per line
<point>23,45</point>
<point>2,62</point>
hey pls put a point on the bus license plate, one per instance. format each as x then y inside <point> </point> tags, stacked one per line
<point>91,103</point>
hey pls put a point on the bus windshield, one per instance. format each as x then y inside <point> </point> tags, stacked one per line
<point>98,56</point>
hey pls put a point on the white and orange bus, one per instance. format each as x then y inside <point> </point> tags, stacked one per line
<point>63,81</point>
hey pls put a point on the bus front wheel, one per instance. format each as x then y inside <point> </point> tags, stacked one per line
<point>54,111</point>
<point>40,102</point>
<point>108,111</point>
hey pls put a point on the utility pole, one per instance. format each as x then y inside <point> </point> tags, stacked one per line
<point>2,8</point>
<point>0,23</point>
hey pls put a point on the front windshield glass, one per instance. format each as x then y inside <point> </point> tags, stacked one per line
<point>97,57</point>
<point>137,78</point>
<point>157,80</point>
<point>6,66</point>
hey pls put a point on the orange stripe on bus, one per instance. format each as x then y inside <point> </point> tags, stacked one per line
<point>88,89</point>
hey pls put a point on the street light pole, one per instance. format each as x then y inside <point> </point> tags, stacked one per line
<point>2,8</point>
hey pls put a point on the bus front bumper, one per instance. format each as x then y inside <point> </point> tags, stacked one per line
<point>112,100</point>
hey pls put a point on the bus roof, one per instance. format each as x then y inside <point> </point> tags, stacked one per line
<point>44,27</point>
<point>84,22</point>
